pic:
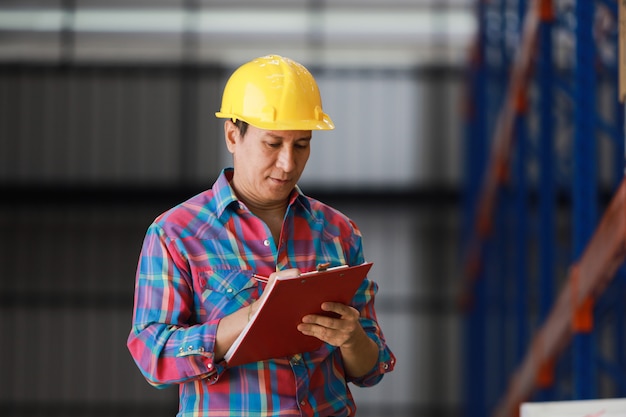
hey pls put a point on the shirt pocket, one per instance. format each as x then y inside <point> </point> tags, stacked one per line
<point>225,291</point>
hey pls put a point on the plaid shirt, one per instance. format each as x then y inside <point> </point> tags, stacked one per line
<point>195,268</point>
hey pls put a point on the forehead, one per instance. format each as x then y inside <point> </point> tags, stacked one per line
<point>292,135</point>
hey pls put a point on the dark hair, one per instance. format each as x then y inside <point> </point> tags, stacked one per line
<point>242,126</point>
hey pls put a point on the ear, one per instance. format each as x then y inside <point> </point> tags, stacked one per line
<point>231,135</point>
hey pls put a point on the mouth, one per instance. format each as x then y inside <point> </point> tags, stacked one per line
<point>280,182</point>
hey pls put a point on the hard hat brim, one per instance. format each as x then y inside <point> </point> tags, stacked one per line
<point>324,124</point>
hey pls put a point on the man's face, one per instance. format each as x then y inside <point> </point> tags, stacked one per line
<point>268,163</point>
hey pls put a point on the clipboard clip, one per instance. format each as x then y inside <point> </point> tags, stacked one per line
<point>322,267</point>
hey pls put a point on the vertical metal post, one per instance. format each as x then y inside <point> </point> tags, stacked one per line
<point>475,361</point>
<point>521,217</point>
<point>620,143</point>
<point>521,247</point>
<point>496,288</point>
<point>584,195</point>
<point>476,151</point>
<point>620,322</point>
<point>547,161</point>
<point>496,282</point>
<point>620,175</point>
<point>620,337</point>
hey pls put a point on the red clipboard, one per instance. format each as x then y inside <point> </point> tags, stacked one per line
<point>272,331</point>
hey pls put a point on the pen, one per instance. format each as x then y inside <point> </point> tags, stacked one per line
<point>260,278</point>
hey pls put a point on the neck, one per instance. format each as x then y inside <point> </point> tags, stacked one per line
<point>267,210</point>
<point>262,209</point>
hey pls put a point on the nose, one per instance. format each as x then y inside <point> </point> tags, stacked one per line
<point>286,159</point>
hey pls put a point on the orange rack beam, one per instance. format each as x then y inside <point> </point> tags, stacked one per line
<point>604,254</point>
<point>499,161</point>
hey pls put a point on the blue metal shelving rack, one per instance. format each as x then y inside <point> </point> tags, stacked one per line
<point>544,184</point>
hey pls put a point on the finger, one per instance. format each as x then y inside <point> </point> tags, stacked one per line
<point>323,333</point>
<point>344,311</point>
<point>322,321</point>
<point>335,337</point>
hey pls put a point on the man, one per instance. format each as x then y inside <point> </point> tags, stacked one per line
<point>195,289</point>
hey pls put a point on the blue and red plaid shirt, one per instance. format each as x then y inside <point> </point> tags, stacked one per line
<point>196,267</point>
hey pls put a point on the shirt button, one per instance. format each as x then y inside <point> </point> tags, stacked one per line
<point>303,403</point>
<point>209,366</point>
<point>201,349</point>
<point>266,242</point>
<point>230,290</point>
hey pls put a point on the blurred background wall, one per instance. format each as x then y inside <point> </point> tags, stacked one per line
<point>107,119</point>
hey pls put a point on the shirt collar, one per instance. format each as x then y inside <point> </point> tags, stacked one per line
<point>225,195</point>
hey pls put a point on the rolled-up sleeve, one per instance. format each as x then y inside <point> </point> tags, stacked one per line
<point>364,301</point>
<point>165,346</point>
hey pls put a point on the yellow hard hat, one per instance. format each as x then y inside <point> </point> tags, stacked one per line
<point>274,93</point>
